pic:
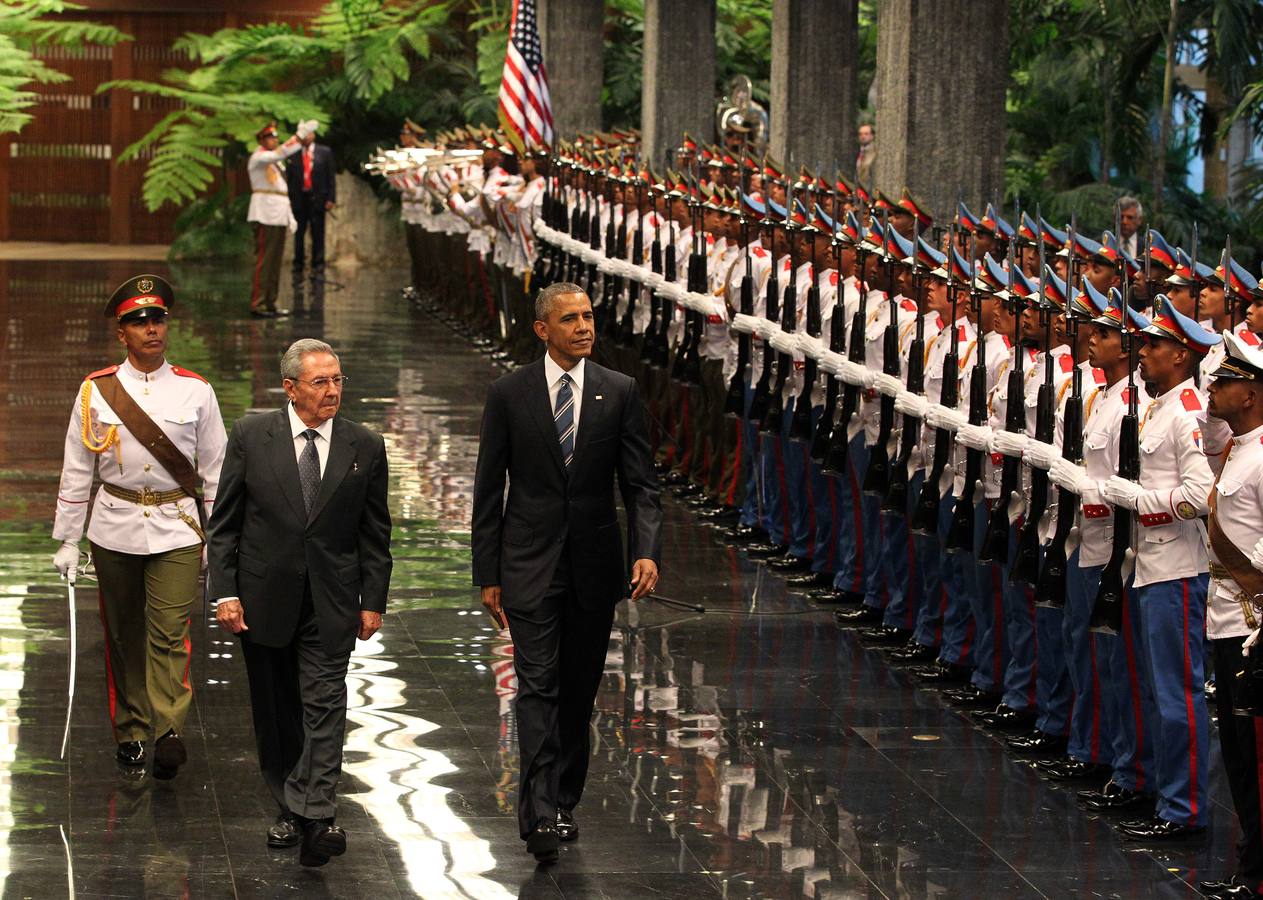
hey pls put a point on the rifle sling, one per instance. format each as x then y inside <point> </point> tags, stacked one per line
<point>154,439</point>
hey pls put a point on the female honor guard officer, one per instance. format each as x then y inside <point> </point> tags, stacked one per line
<point>154,433</point>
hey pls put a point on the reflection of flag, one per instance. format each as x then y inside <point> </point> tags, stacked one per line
<point>526,112</point>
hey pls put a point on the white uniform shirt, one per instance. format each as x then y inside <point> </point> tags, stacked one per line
<point>185,408</point>
<point>269,194</point>
<point>1177,481</point>
<point>1102,423</point>
<point>1239,514</point>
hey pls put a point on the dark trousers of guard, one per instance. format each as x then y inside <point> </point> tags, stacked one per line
<point>559,648</point>
<point>415,237</point>
<point>309,212</point>
<point>1239,739</point>
<point>298,703</point>
<point>269,246</point>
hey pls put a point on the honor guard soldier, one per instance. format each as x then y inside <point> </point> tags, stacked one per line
<point>153,433</point>
<point>1171,567</point>
<point>1235,530</point>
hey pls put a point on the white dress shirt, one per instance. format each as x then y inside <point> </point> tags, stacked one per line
<point>323,432</point>
<point>1239,513</point>
<point>552,376</point>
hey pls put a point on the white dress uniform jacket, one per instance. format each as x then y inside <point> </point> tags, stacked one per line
<point>1239,514</point>
<point>269,196</point>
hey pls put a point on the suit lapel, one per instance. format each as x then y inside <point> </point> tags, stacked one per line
<point>536,401</point>
<point>341,455</point>
<point>285,464</point>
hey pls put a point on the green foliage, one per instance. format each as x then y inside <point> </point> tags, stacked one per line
<point>213,227</point>
<point>24,30</point>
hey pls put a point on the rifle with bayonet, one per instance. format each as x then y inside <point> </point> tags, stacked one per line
<point>662,337</point>
<point>771,311</point>
<point>1107,611</point>
<point>926,515</point>
<point>877,478</point>
<point>1051,586</point>
<point>837,342</point>
<point>735,402</point>
<point>857,352</point>
<point>896,499</point>
<point>609,297</point>
<point>543,257</point>
<point>800,426</point>
<point>649,339</point>
<point>771,423</point>
<point>960,534</point>
<point>627,326</point>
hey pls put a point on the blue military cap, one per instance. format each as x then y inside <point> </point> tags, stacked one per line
<point>1086,248</point>
<point>754,203</point>
<point>1054,237</point>
<point>775,211</point>
<point>966,219</point>
<point>1069,299</point>
<point>1169,323</point>
<point>1092,301</point>
<point>930,258</point>
<point>1112,316</point>
<point>1028,230</point>
<point>897,245</point>
<point>993,274</point>
<point>991,221</point>
<point>1161,253</point>
<point>1237,279</point>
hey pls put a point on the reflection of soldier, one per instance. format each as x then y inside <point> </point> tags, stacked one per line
<point>154,433</point>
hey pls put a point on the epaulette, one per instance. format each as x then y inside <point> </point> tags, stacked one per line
<point>1191,401</point>
<point>833,278</point>
<point>1098,375</point>
<point>1067,364</point>
<point>186,373</point>
<point>1249,337</point>
<point>108,370</point>
<point>1008,341</point>
<point>908,305</point>
<point>758,251</point>
<point>1126,397</point>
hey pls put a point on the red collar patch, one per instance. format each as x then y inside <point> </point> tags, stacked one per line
<point>108,370</point>
<point>1191,401</point>
<point>1098,375</point>
<point>186,373</point>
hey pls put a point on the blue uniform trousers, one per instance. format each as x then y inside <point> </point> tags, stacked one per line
<point>1172,631</point>
<point>798,486</point>
<point>778,518</point>
<point>751,508</point>
<point>856,534</point>
<point>1019,615</point>
<point>1091,738</point>
<point>959,630</point>
<point>986,597</point>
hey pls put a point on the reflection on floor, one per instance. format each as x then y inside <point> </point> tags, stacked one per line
<point>754,751</point>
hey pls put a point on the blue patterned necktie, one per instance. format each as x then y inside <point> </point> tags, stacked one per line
<point>563,416</point>
<point>309,470</point>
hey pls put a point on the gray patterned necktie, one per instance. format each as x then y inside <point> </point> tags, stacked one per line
<point>563,416</point>
<point>309,469</point>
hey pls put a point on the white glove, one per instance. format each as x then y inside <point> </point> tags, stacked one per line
<point>1249,642</point>
<point>306,128</point>
<point>605,266</point>
<point>782,342</point>
<point>911,404</point>
<point>890,385</point>
<point>1041,455</point>
<point>745,324</point>
<point>870,378</point>
<point>1010,443</point>
<point>852,373</point>
<point>831,362</point>
<point>654,281</point>
<point>976,437</point>
<point>1121,492</point>
<point>810,347</point>
<point>66,559</point>
<point>1070,477</point>
<point>938,416</point>
<point>767,328</point>
<point>1256,558</point>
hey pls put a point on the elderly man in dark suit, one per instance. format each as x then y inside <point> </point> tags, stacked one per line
<point>550,559</point>
<point>313,191</point>
<point>299,553</point>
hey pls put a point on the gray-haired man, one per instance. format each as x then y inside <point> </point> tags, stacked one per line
<point>300,562</point>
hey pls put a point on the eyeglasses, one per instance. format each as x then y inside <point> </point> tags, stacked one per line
<point>321,384</point>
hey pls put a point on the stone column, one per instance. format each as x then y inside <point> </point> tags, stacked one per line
<point>813,82</point>
<point>679,76</point>
<point>942,70</point>
<point>573,35</point>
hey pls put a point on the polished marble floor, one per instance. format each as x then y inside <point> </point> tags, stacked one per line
<point>754,751</point>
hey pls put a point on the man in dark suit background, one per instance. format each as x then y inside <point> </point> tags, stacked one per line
<point>313,191</point>
<point>550,558</point>
<point>299,555</point>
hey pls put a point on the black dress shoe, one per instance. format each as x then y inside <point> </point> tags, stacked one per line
<point>1112,796</point>
<point>281,313</point>
<point>790,564</point>
<point>1004,716</point>
<point>941,672</point>
<point>567,827</point>
<point>969,695</point>
<point>262,314</point>
<point>765,551</point>
<point>1159,829</point>
<point>1236,892</point>
<point>543,844</point>
<point>130,753</point>
<point>810,580</point>
<point>1037,744</point>
<point>858,617</point>
<point>913,652</point>
<point>285,831</point>
<point>1072,770</point>
<point>883,634</point>
<point>1214,887</point>
<point>834,596</point>
<point>743,534</point>
<point>321,842</point>
<point>721,515</point>
<point>168,755</point>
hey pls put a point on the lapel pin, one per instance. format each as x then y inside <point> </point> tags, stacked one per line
<point>355,466</point>
<point>598,397</point>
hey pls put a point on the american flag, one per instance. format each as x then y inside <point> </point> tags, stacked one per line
<point>526,112</point>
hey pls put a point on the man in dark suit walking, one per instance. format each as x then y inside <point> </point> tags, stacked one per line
<point>313,191</point>
<point>299,553</point>
<point>550,558</point>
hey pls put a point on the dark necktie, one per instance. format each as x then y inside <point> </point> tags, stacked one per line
<point>563,416</point>
<point>309,470</point>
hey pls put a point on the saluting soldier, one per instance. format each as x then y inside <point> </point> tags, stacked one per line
<point>154,434</point>
<point>271,215</point>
